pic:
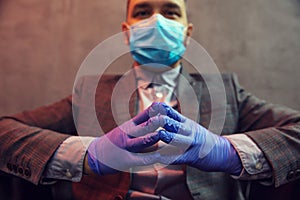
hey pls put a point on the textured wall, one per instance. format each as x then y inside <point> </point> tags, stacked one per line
<point>42,44</point>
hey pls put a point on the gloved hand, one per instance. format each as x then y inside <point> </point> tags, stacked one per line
<point>117,150</point>
<point>197,146</point>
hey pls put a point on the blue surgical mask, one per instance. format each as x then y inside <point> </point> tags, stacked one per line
<point>157,41</point>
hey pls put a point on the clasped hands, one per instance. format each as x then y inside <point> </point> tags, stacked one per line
<point>187,143</point>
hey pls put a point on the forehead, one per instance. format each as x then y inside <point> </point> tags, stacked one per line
<point>132,3</point>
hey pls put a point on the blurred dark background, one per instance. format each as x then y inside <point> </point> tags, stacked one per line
<point>43,43</point>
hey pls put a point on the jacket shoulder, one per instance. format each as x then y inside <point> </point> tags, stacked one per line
<point>207,76</point>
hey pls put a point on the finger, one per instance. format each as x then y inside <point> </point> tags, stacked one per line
<point>140,143</point>
<point>171,112</point>
<point>180,141</point>
<point>171,124</point>
<point>162,121</point>
<point>157,108</point>
<point>146,127</point>
<point>152,125</point>
<point>157,122</point>
<point>151,111</point>
<point>165,136</point>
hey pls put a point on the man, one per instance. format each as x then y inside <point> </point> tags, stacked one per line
<point>33,148</point>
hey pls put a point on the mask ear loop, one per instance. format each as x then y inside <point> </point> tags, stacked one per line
<point>185,35</point>
<point>188,33</point>
<point>126,31</point>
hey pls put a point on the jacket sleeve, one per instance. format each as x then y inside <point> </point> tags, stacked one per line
<point>29,139</point>
<point>275,130</point>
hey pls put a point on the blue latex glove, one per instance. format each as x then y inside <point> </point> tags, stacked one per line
<point>116,150</point>
<point>196,146</point>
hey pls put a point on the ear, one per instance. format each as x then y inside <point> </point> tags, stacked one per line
<point>189,32</point>
<point>125,29</point>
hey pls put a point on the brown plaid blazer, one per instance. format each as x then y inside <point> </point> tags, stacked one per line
<point>29,139</point>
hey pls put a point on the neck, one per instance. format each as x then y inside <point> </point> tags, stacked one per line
<point>158,69</point>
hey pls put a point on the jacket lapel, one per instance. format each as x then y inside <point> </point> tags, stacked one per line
<point>124,98</point>
<point>188,94</point>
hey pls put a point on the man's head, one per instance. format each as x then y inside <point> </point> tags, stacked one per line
<point>170,13</point>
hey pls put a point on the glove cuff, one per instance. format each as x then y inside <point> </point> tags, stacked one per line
<point>234,163</point>
<point>92,157</point>
<point>91,162</point>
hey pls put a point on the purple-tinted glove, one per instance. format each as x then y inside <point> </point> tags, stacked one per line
<point>197,146</point>
<point>117,150</point>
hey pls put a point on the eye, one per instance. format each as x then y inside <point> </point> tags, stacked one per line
<point>171,14</point>
<point>141,14</point>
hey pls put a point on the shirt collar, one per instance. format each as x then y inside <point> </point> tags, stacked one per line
<point>144,77</point>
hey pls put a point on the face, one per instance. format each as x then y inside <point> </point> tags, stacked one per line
<point>142,9</point>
